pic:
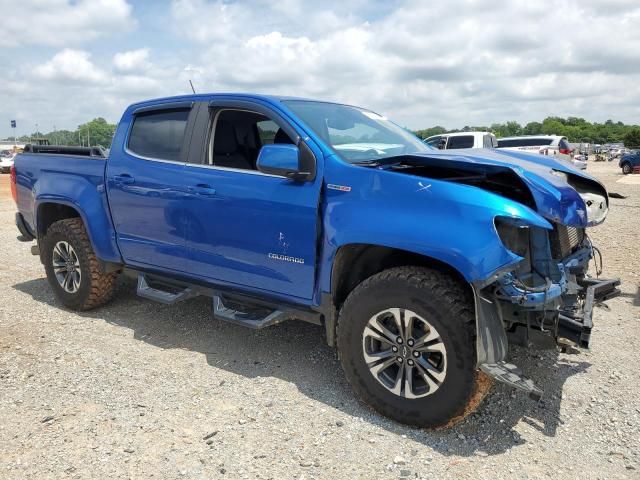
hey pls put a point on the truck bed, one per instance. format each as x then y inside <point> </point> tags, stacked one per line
<point>83,174</point>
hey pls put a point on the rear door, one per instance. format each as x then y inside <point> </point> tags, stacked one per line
<point>246,228</point>
<point>146,190</point>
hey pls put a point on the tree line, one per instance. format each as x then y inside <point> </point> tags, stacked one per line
<point>99,132</point>
<point>577,130</point>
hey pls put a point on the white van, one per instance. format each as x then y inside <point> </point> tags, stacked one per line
<point>449,141</point>
<point>555,145</point>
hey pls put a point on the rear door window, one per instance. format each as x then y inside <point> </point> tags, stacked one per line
<point>524,142</point>
<point>159,134</point>
<point>461,141</point>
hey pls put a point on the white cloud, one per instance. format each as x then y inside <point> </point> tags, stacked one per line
<point>463,62</point>
<point>132,61</point>
<point>457,63</point>
<point>62,23</point>
<point>71,65</point>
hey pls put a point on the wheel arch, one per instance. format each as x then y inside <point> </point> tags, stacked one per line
<point>355,262</point>
<point>51,210</point>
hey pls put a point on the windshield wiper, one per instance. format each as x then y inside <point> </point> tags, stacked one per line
<point>386,161</point>
<point>368,163</point>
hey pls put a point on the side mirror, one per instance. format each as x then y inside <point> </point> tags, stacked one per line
<point>282,160</point>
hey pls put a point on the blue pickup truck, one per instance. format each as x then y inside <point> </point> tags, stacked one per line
<point>421,265</point>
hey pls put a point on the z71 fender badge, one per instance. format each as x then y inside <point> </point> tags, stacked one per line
<point>341,188</point>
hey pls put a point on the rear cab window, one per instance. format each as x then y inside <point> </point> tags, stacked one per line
<point>159,134</point>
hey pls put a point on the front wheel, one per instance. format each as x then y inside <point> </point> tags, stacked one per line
<point>407,345</point>
<point>72,267</point>
<point>626,168</point>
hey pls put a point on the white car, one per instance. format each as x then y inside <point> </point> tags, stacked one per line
<point>555,145</point>
<point>6,160</point>
<point>449,141</point>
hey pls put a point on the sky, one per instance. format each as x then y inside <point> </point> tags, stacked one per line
<point>453,63</point>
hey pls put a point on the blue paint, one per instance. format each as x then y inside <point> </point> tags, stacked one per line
<point>272,235</point>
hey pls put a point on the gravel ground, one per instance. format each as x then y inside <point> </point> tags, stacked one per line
<point>137,389</point>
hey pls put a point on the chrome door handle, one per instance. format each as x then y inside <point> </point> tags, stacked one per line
<point>202,190</point>
<point>124,178</point>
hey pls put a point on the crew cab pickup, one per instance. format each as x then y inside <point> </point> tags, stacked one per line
<point>421,265</point>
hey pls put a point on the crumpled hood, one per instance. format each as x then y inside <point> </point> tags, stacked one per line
<point>578,200</point>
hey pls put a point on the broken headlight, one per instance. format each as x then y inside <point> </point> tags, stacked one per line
<point>513,236</point>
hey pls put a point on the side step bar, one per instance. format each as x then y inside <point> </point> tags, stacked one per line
<point>254,317</point>
<point>156,293</point>
<point>231,307</point>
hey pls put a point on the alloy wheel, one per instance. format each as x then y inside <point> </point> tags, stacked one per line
<point>405,353</point>
<point>66,267</point>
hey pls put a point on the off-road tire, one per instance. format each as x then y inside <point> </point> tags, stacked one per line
<point>96,288</point>
<point>448,306</point>
<point>626,168</point>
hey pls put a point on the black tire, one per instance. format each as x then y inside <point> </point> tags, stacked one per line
<point>95,288</point>
<point>626,168</point>
<point>448,307</point>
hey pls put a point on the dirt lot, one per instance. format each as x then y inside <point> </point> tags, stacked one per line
<point>140,390</point>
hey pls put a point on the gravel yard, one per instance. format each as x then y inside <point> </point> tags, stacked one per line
<point>138,389</point>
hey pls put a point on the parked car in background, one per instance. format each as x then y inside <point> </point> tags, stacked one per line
<point>616,152</point>
<point>555,145</point>
<point>629,161</point>
<point>580,161</point>
<point>450,141</point>
<point>6,160</point>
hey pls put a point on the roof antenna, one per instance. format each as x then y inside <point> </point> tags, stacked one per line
<point>192,89</point>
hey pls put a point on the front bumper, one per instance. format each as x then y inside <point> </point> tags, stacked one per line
<point>558,312</point>
<point>575,329</point>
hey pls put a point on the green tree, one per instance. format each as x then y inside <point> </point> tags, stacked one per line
<point>428,132</point>
<point>532,128</point>
<point>632,138</point>
<point>97,132</point>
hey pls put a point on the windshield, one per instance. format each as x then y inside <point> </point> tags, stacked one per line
<point>356,135</point>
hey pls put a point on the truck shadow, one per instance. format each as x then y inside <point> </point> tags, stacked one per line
<point>296,352</point>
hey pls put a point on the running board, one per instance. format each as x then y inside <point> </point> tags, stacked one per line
<point>511,375</point>
<point>158,294</point>
<point>247,315</point>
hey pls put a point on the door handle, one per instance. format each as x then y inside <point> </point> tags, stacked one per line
<point>202,190</point>
<point>123,178</point>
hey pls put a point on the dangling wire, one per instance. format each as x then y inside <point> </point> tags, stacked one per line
<point>595,261</point>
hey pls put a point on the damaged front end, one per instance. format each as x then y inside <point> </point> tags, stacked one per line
<point>546,300</point>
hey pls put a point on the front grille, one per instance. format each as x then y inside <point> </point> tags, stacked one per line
<point>565,240</point>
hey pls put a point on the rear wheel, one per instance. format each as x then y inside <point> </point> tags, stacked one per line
<point>72,267</point>
<point>626,168</point>
<point>406,342</point>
